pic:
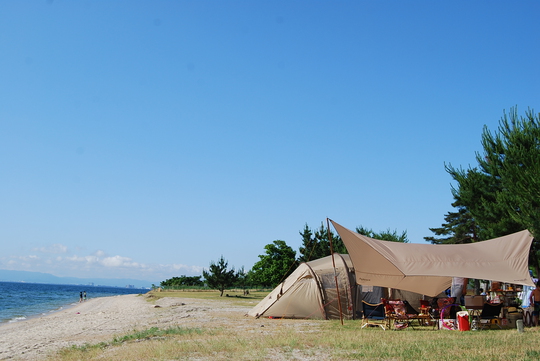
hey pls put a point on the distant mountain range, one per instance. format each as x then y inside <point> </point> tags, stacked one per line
<point>38,277</point>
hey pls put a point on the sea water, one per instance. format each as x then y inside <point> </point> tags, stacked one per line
<point>20,301</point>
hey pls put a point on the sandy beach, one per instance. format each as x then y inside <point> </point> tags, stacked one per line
<point>101,319</point>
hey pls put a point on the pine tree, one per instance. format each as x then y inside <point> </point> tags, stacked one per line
<point>218,277</point>
<point>317,245</point>
<point>502,195</point>
<point>388,235</point>
<point>459,228</point>
<point>308,243</point>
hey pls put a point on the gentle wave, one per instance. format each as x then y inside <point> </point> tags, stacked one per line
<point>17,319</point>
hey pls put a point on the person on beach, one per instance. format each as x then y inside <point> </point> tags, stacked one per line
<point>80,297</point>
<point>84,295</point>
<point>534,300</point>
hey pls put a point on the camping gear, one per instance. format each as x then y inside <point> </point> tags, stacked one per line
<point>373,315</point>
<point>396,313</point>
<point>463,321</point>
<point>491,315</point>
<point>447,324</point>
<point>428,269</point>
<point>311,292</point>
<point>424,306</point>
<point>512,318</point>
<point>444,322</point>
<point>474,302</point>
<point>519,325</point>
<point>401,314</point>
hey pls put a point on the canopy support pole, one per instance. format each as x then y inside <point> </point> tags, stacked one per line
<point>335,273</point>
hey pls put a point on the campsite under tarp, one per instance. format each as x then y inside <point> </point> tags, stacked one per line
<point>428,269</point>
<point>310,292</point>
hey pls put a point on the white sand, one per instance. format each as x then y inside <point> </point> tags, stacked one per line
<point>101,319</point>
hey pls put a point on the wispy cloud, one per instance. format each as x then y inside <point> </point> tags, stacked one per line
<point>56,248</point>
<point>186,268</point>
<point>119,261</point>
<point>57,259</point>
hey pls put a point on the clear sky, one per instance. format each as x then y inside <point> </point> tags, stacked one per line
<point>145,139</point>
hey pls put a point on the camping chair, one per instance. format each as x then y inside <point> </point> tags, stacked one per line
<point>433,311</point>
<point>490,315</point>
<point>374,315</point>
<point>396,312</point>
<point>399,313</point>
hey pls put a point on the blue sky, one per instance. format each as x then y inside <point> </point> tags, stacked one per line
<point>145,139</point>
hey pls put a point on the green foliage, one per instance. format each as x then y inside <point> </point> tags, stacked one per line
<point>388,235</point>
<point>501,195</point>
<point>279,260</point>
<point>317,245</point>
<point>219,277</point>
<point>182,281</point>
<point>308,243</point>
<point>513,156</point>
<point>242,279</point>
<point>459,228</point>
<point>274,266</point>
<point>477,192</point>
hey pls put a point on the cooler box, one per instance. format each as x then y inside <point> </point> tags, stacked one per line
<point>463,321</point>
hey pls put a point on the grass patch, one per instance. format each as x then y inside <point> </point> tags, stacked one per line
<point>326,340</point>
<point>278,339</point>
<point>155,332</point>
<point>236,297</point>
<point>92,351</point>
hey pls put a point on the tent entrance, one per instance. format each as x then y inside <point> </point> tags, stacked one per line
<point>331,297</point>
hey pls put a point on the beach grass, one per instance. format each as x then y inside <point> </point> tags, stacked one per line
<point>236,297</point>
<point>309,340</point>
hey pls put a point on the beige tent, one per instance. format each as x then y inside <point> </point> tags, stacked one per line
<point>310,292</point>
<point>428,269</point>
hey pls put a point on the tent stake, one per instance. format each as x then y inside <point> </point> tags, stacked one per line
<point>335,273</point>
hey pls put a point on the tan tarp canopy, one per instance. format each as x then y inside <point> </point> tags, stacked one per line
<point>428,269</point>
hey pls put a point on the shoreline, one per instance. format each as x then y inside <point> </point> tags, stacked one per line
<point>20,301</point>
<point>101,319</point>
<point>39,335</point>
<point>40,314</point>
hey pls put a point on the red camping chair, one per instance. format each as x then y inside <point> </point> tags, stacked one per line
<point>400,314</point>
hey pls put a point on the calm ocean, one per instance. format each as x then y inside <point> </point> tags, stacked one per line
<point>19,301</point>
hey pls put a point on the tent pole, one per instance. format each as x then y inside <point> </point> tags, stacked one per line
<point>335,273</point>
